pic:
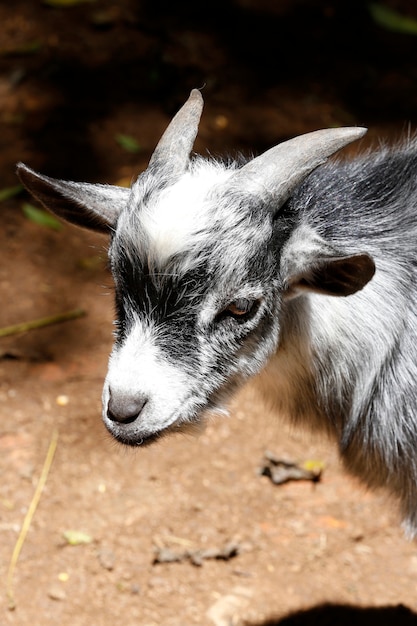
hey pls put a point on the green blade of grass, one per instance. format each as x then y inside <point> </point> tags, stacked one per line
<point>128,143</point>
<point>76,537</point>
<point>10,192</point>
<point>41,217</point>
<point>392,20</point>
<point>26,48</point>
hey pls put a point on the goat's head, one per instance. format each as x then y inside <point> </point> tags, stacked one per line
<point>203,255</point>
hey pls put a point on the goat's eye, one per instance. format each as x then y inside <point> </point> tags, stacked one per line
<point>240,310</point>
<point>240,307</point>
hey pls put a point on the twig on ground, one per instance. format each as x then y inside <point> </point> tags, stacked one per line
<point>28,518</point>
<point>196,557</point>
<point>16,329</point>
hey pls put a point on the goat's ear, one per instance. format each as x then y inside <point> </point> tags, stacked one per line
<point>92,206</point>
<point>320,268</point>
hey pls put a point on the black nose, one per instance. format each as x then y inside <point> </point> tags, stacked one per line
<point>125,408</point>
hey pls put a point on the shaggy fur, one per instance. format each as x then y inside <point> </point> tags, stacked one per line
<point>217,281</point>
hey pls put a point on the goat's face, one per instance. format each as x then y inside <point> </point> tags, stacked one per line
<point>197,300</point>
<point>202,256</point>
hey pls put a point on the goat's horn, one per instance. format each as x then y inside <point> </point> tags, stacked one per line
<point>279,170</point>
<point>175,145</point>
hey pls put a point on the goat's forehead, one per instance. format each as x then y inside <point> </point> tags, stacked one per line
<point>193,219</point>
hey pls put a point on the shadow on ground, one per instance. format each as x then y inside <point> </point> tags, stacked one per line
<point>345,615</point>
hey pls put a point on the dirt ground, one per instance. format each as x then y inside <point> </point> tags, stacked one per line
<point>73,81</point>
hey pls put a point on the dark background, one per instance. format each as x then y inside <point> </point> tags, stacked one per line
<point>270,68</point>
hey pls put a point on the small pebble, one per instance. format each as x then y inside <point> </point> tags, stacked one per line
<point>106,558</point>
<point>62,400</point>
<point>56,593</point>
<point>221,122</point>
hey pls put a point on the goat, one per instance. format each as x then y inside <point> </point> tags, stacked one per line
<point>289,268</point>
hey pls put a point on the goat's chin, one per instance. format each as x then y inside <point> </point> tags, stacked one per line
<point>194,425</point>
<point>187,427</point>
<point>136,442</point>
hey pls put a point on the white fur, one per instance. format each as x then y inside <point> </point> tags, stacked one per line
<point>179,216</point>
<point>140,364</point>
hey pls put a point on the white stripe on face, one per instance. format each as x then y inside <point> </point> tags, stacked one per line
<point>177,218</point>
<point>138,369</point>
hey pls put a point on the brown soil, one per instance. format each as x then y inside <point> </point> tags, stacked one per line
<point>71,80</point>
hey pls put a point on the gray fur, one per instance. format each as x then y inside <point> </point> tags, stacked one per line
<point>219,277</point>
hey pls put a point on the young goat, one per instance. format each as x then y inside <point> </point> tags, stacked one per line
<point>227,271</point>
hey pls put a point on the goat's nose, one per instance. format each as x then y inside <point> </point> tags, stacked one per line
<point>125,408</point>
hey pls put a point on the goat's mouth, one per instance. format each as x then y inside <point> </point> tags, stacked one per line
<point>136,442</point>
<point>190,420</point>
<point>130,433</point>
